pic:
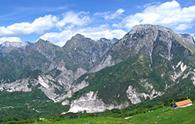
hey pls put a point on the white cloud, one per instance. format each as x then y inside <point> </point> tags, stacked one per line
<point>74,19</point>
<point>102,32</point>
<point>45,23</point>
<point>114,15</point>
<point>182,27</point>
<point>39,25</point>
<point>10,39</point>
<point>169,14</point>
<point>60,38</point>
<point>111,16</point>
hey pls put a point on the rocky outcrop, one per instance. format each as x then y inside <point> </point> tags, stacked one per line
<point>105,63</point>
<point>151,59</point>
<point>90,103</point>
<point>16,86</point>
<point>136,97</point>
<point>156,42</point>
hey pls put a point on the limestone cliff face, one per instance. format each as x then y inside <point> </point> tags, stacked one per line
<point>149,62</point>
<point>150,40</point>
<point>145,64</point>
<point>50,68</point>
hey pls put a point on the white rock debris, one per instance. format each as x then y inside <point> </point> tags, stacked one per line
<point>183,67</point>
<point>49,88</point>
<point>18,85</point>
<point>79,86</point>
<point>178,64</point>
<point>179,70</point>
<point>88,103</point>
<point>189,73</point>
<point>74,88</point>
<point>133,96</point>
<point>57,89</point>
<point>91,104</point>
<point>43,82</point>
<point>193,78</point>
<point>79,72</point>
<point>105,63</point>
<point>65,102</point>
<point>136,97</point>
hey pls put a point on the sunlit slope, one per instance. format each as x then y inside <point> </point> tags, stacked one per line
<point>164,115</point>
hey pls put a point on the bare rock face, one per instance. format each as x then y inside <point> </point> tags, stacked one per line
<point>7,46</point>
<point>53,89</point>
<point>105,63</point>
<point>162,46</point>
<point>188,37</point>
<point>157,53</point>
<point>133,96</point>
<point>57,68</point>
<point>136,97</point>
<point>89,103</point>
<point>147,62</point>
<point>85,52</point>
<point>156,42</point>
<point>16,86</point>
<point>79,72</point>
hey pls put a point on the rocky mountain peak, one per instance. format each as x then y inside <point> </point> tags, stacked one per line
<point>108,41</point>
<point>79,41</point>
<point>13,44</point>
<point>78,36</point>
<point>8,46</point>
<point>85,52</point>
<point>147,37</point>
<point>114,40</point>
<point>103,39</point>
<point>154,41</point>
<point>146,27</point>
<point>42,42</point>
<point>144,64</point>
<point>142,39</point>
<point>188,37</point>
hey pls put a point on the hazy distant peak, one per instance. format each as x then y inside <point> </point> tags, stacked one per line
<point>13,44</point>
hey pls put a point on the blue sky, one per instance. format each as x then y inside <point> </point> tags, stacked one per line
<point>58,20</point>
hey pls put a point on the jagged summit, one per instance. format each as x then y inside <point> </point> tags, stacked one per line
<point>143,65</point>
<point>78,41</point>
<point>147,38</point>
<point>150,26</point>
<point>42,41</point>
<point>155,30</point>
<point>153,41</point>
<point>149,31</point>
<point>78,36</point>
<point>13,44</point>
<point>188,37</point>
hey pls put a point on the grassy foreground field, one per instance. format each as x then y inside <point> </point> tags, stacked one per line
<point>164,115</point>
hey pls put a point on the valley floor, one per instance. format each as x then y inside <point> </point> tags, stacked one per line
<point>164,115</point>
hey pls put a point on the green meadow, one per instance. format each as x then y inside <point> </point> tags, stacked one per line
<point>164,115</point>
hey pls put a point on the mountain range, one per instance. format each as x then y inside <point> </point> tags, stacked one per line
<point>150,62</point>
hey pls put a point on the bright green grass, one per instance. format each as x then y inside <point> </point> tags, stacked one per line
<point>88,120</point>
<point>164,115</point>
